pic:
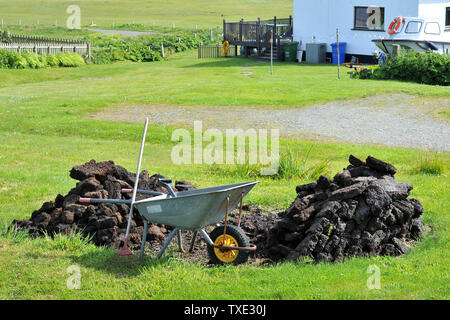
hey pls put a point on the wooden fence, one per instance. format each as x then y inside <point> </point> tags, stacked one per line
<point>216,51</point>
<point>43,45</point>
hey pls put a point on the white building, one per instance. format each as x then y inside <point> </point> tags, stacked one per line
<point>317,21</point>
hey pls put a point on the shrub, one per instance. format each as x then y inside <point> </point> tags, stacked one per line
<point>427,68</point>
<point>52,60</point>
<point>34,60</point>
<point>111,48</point>
<point>69,59</point>
<point>12,60</point>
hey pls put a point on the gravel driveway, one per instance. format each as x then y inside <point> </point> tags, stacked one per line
<point>398,120</point>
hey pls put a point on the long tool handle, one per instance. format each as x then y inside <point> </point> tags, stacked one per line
<point>133,198</point>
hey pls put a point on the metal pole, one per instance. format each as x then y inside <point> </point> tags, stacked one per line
<point>125,250</point>
<point>271,52</point>
<point>133,197</point>
<point>338,54</point>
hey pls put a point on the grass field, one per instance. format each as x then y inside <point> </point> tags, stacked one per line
<point>45,130</point>
<point>184,14</point>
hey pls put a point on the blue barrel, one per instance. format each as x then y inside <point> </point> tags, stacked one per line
<point>342,46</point>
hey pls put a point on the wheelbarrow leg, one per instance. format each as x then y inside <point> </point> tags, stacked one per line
<point>180,241</point>
<point>144,238</point>
<point>191,248</point>
<point>169,238</point>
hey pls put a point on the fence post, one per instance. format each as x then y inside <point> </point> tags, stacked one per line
<point>88,46</point>
<point>218,50</point>
<point>240,29</point>
<point>199,51</point>
<point>258,35</point>
<point>224,31</point>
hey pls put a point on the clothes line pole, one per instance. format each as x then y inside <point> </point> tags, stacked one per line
<point>271,53</point>
<point>338,54</point>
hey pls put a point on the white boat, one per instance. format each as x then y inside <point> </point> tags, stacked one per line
<point>417,34</point>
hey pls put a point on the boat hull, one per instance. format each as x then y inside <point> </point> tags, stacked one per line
<point>386,45</point>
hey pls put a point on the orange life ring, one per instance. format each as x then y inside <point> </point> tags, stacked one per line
<point>395,25</point>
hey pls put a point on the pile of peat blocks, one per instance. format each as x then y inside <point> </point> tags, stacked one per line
<point>362,211</point>
<point>106,223</point>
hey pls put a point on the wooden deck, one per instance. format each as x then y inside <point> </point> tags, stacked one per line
<point>257,34</point>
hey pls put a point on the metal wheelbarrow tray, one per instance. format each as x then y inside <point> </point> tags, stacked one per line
<point>194,209</point>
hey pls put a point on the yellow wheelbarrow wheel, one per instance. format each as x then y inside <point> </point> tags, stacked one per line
<point>234,237</point>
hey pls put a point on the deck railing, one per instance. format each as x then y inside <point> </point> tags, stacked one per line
<point>214,51</point>
<point>257,33</point>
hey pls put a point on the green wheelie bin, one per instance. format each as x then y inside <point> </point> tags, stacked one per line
<point>290,51</point>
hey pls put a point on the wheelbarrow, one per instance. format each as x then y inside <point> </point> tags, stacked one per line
<point>192,210</point>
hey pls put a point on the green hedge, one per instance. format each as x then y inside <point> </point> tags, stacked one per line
<point>14,60</point>
<point>427,68</point>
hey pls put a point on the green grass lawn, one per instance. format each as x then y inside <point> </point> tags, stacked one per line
<point>45,129</point>
<point>185,14</point>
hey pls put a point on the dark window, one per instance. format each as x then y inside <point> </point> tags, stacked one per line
<point>369,18</point>
<point>447,18</point>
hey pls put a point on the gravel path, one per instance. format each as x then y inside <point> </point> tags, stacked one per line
<point>398,120</point>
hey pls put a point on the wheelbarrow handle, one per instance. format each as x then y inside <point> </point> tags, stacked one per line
<point>153,193</point>
<point>96,200</point>
<point>166,183</point>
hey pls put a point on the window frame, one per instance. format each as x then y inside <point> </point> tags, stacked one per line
<point>447,19</point>
<point>432,22</point>
<point>416,32</point>
<point>359,28</point>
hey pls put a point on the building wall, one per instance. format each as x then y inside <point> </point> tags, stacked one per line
<point>320,18</point>
<point>433,9</point>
